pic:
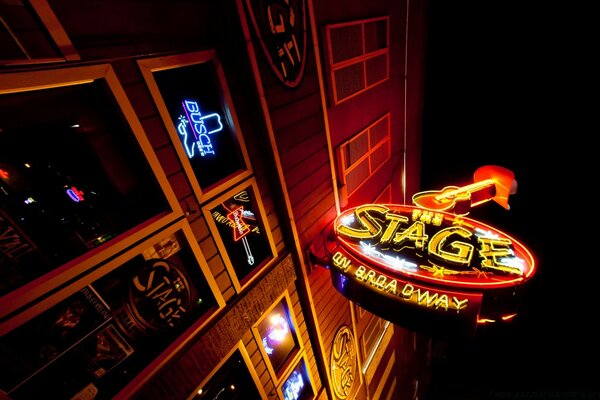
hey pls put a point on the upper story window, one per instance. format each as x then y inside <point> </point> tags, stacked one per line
<point>357,56</point>
<point>30,33</point>
<point>363,154</point>
<point>77,177</point>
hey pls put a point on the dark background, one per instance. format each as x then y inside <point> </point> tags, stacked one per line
<point>503,87</point>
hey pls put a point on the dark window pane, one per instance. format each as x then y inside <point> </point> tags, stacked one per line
<point>376,69</point>
<point>231,382</point>
<point>375,36</point>
<point>72,177</point>
<point>349,80</point>
<point>346,42</point>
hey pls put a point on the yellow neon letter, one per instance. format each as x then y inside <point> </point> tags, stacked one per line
<point>408,290</point>
<point>369,217</point>
<point>414,233</point>
<point>492,250</point>
<point>391,228</point>
<point>460,304</point>
<point>463,252</point>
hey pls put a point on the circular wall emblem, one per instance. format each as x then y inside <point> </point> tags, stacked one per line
<point>343,363</point>
<point>281,29</point>
<point>159,295</point>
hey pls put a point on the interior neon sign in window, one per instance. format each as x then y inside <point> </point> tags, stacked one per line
<point>200,126</point>
<point>293,387</point>
<point>75,194</point>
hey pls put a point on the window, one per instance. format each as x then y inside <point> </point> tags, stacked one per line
<point>78,179</point>
<point>363,154</point>
<point>194,103</point>
<point>276,334</point>
<point>297,384</point>
<point>237,221</point>
<point>113,323</point>
<point>233,379</point>
<point>358,56</point>
<point>31,33</point>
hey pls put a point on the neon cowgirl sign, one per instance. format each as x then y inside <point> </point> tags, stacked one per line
<point>425,268</point>
<point>201,126</point>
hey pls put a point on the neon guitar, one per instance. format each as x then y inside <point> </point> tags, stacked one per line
<point>491,183</point>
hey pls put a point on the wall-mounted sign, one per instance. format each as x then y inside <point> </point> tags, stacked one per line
<point>343,363</point>
<point>239,223</point>
<point>281,28</point>
<point>403,263</point>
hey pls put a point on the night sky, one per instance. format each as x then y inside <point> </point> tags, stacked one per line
<point>498,91</point>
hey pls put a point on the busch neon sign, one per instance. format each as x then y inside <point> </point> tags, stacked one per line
<point>195,128</point>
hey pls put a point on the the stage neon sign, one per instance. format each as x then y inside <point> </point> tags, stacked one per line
<point>435,247</point>
<point>195,128</point>
<point>431,271</point>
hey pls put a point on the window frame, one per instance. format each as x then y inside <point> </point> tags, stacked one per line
<point>302,359</point>
<point>249,184</point>
<point>297,353</point>
<point>242,349</point>
<point>341,155</point>
<point>365,56</point>
<point>150,65</point>
<point>27,81</point>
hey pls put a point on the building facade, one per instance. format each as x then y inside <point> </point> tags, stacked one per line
<point>167,170</point>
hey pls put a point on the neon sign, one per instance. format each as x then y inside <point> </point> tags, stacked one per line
<point>435,247</point>
<point>276,333</point>
<point>420,262</point>
<point>75,194</point>
<point>200,126</point>
<point>293,386</point>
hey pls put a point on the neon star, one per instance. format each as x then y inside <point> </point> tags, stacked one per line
<point>438,271</point>
<point>458,221</point>
<point>481,273</point>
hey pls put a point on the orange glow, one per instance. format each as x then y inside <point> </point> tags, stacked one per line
<point>508,317</point>
<point>3,173</point>
<point>485,321</point>
<point>491,182</point>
